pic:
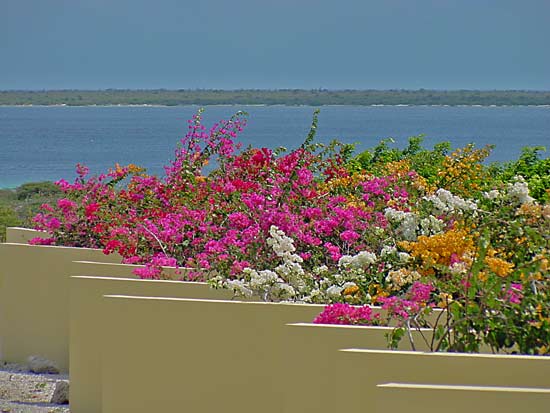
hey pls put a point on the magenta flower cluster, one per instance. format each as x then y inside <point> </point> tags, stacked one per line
<point>397,308</point>
<point>346,314</point>
<point>219,222</point>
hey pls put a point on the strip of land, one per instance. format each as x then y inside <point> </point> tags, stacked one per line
<point>317,97</point>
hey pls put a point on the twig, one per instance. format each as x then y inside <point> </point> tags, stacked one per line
<point>156,238</point>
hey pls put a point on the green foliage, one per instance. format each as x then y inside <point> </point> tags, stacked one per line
<point>533,169</point>
<point>500,299</point>
<point>425,162</point>
<point>8,218</point>
<point>34,190</point>
<point>19,206</point>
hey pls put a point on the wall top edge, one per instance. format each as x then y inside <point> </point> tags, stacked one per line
<point>446,354</point>
<point>343,326</point>
<point>229,302</point>
<point>137,280</point>
<point>109,263</point>
<point>464,388</point>
<point>126,265</point>
<point>48,246</point>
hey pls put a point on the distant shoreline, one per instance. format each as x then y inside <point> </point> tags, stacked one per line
<point>264,105</point>
<point>285,97</point>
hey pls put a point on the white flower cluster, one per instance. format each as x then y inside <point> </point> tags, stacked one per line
<point>390,254</point>
<point>459,268</point>
<point>519,191</point>
<point>445,202</point>
<point>280,243</point>
<point>288,281</point>
<point>361,260</point>
<point>284,291</point>
<point>334,292</point>
<point>431,225</point>
<point>289,271</point>
<point>239,287</point>
<point>492,195</point>
<point>408,222</point>
<point>387,251</point>
<point>259,280</point>
<point>401,277</point>
<point>284,282</point>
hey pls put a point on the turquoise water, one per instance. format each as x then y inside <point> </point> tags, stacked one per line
<point>45,143</point>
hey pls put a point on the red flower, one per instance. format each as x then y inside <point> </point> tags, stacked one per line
<point>91,210</point>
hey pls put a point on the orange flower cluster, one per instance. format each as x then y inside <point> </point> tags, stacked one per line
<point>440,249</point>
<point>402,169</point>
<point>377,292</point>
<point>500,267</point>
<point>130,168</point>
<point>541,260</point>
<point>346,185</point>
<point>531,211</point>
<point>351,290</point>
<point>462,171</point>
<point>343,183</point>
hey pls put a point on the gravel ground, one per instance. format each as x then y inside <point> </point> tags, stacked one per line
<point>25,392</point>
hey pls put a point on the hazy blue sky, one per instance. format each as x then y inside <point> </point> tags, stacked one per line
<point>268,44</point>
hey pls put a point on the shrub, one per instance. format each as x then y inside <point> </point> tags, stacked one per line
<point>408,229</point>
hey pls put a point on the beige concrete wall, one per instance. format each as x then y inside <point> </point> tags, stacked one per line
<point>168,355</point>
<point>86,326</point>
<point>103,269</point>
<point>240,357</point>
<point>449,368</point>
<point>110,269</point>
<point>23,235</point>
<point>412,398</point>
<point>318,379</point>
<point>366,369</point>
<point>34,300</point>
<point>212,355</point>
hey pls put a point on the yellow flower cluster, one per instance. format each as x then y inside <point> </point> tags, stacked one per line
<point>444,300</point>
<point>535,276</point>
<point>135,168</point>
<point>499,266</point>
<point>544,264</point>
<point>542,321</point>
<point>531,211</point>
<point>401,169</point>
<point>540,268</point>
<point>352,294</point>
<point>440,248</point>
<point>462,170</point>
<point>351,290</point>
<point>131,168</point>
<point>401,277</point>
<point>343,183</point>
<point>376,292</point>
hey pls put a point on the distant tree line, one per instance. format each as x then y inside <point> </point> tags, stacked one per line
<point>316,97</point>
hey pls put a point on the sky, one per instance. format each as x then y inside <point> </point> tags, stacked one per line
<point>275,44</point>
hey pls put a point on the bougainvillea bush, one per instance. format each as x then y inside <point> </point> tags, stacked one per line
<point>409,230</point>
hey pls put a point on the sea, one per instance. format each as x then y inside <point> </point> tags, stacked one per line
<point>44,143</point>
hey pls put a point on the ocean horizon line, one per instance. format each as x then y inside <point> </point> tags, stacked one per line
<point>147,105</point>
